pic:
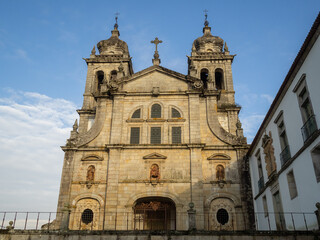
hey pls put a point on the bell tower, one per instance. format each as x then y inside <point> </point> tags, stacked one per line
<point>104,69</point>
<point>211,61</point>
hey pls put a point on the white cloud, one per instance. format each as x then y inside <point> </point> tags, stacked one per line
<point>251,124</point>
<point>32,129</point>
<point>268,97</point>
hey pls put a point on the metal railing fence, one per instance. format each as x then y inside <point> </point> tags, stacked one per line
<point>234,221</point>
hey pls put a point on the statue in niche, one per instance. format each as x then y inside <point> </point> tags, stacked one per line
<point>220,173</point>
<point>90,173</point>
<point>154,172</point>
<point>268,150</point>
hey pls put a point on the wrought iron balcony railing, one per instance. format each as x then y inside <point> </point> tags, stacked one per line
<point>309,127</point>
<point>285,155</point>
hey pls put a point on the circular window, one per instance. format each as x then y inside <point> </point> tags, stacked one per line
<point>222,216</point>
<point>87,216</point>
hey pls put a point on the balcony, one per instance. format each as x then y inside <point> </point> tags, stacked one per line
<point>309,128</point>
<point>285,155</point>
<point>261,184</point>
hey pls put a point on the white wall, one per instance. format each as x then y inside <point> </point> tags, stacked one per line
<point>307,186</point>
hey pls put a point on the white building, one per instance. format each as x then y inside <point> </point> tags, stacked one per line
<point>284,157</point>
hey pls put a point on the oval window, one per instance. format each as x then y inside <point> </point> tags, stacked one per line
<point>222,216</point>
<point>87,216</point>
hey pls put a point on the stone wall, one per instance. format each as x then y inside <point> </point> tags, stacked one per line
<point>160,235</point>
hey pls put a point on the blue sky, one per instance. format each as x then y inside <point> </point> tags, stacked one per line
<point>42,73</point>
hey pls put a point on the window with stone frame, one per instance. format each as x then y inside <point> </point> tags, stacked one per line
<point>156,111</point>
<point>219,82</point>
<point>135,135</point>
<point>137,113</point>
<point>176,135</point>
<point>260,171</point>
<point>315,155</point>
<point>292,185</point>
<point>175,113</point>
<point>285,154</point>
<point>155,135</point>
<point>307,114</point>
<point>100,78</point>
<point>265,206</point>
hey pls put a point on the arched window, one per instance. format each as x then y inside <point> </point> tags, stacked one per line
<point>175,113</point>
<point>100,77</point>
<point>137,113</point>
<point>204,77</point>
<point>87,216</point>
<point>219,79</point>
<point>156,111</point>
<point>222,216</point>
<point>220,174</point>
<point>113,75</point>
<point>90,173</point>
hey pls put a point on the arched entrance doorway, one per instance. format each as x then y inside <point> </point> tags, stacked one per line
<point>154,213</point>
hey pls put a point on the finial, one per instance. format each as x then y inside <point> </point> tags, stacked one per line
<point>93,51</point>
<point>226,49</point>
<point>206,23</point>
<point>75,125</point>
<point>156,60</point>
<point>116,18</point>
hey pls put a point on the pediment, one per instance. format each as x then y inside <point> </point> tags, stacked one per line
<point>219,156</point>
<point>159,69</point>
<point>92,158</point>
<point>155,156</point>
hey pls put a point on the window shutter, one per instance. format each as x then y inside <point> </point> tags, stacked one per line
<point>176,134</point>
<point>135,135</point>
<point>155,135</point>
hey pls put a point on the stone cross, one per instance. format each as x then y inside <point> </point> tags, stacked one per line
<point>156,41</point>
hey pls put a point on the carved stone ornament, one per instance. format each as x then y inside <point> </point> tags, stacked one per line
<point>198,84</point>
<point>113,86</point>
<point>268,150</point>
<point>226,204</point>
<point>154,173</point>
<point>81,205</point>
<point>220,174</point>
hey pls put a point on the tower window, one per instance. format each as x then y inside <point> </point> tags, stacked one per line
<point>204,77</point>
<point>156,111</point>
<point>175,113</point>
<point>100,77</point>
<point>87,216</point>
<point>137,113</point>
<point>155,135</point>
<point>219,79</point>
<point>113,75</point>
<point>176,135</point>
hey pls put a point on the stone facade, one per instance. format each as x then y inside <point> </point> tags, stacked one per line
<point>156,148</point>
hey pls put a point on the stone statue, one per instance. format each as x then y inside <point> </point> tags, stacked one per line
<point>220,173</point>
<point>268,150</point>
<point>90,173</point>
<point>154,172</point>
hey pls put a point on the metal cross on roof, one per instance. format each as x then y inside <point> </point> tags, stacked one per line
<point>156,41</point>
<point>116,24</point>
<point>206,23</point>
